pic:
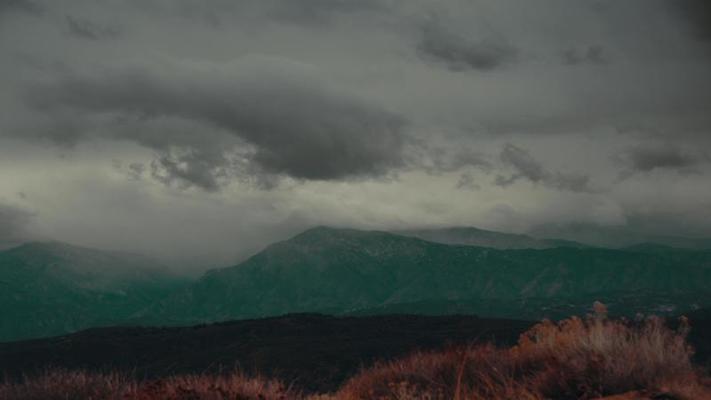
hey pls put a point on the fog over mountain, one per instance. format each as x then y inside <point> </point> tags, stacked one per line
<point>200,132</point>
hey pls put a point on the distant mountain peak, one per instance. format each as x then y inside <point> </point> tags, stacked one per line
<point>326,234</point>
<point>473,236</point>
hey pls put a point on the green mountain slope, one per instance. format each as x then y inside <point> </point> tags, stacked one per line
<point>349,271</point>
<point>53,288</point>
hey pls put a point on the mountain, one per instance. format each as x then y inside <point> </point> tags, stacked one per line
<point>314,352</point>
<point>341,271</point>
<point>617,237</point>
<point>54,288</point>
<point>480,237</point>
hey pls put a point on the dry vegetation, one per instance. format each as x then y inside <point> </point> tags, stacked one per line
<point>573,359</point>
<point>79,385</point>
<point>576,358</point>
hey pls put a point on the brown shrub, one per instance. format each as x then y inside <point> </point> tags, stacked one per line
<point>572,359</point>
<point>76,385</point>
<point>65,385</point>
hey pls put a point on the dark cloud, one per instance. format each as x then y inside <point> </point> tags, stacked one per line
<point>86,29</point>
<point>594,55</point>
<point>191,167</point>
<point>286,124</point>
<point>13,221</point>
<point>322,11</point>
<point>441,160</point>
<point>467,181</point>
<point>460,53</point>
<point>528,168</point>
<point>522,161</point>
<point>26,6</point>
<point>219,13</point>
<point>697,13</point>
<point>377,97</point>
<point>136,170</point>
<point>650,157</point>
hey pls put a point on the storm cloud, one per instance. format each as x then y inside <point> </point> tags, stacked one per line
<point>124,122</point>
<point>286,121</point>
<point>461,53</point>
<point>26,6</point>
<point>650,157</point>
<point>527,167</point>
<point>698,14</point>
<point>13,222</point>
<point>593,54</point>
<point>87,29</point>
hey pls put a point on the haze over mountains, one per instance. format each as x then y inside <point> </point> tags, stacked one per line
<point>345,271</point>
<point>53,288</point>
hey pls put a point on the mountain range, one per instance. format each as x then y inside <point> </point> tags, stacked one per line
<point>484,238</point>
<point>53,288</point>
<point>344,271</point>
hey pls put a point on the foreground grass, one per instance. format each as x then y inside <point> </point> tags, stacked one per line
<point>80,385</point>
<point>576,358</point>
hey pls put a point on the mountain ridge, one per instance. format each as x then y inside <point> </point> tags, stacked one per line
<point>53,288</point>
<point>344,270</point>
<point>473,236</point>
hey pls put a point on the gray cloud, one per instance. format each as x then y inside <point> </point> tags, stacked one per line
<point>441,160</point>
<point>218,13</point>
<point>698,15</point>
<point>87,29</point>
<point>460,53</point>
<point>191,167</point>
<point>322,11</point>
<point>26,6</point>
<point>594,55</point>
<point>528,168</point>
<point>13,221</point>
<point>286,123</point>
<point>351,94</point>
<point>650,157</point>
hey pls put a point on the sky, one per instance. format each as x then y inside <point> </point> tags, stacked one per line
<point>198,132</point>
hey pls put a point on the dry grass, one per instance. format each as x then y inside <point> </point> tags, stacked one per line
<point>76,385</point>
<point>573,359</point>
<point>576,358</point>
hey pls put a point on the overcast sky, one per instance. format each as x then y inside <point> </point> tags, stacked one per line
<point>202,130</point>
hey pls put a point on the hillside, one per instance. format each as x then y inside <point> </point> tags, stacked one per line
<point>317,352</point>
<point>54,288</point>
<point>617,237</point>
<point>348,271</point>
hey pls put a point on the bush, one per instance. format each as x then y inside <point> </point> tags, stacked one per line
<point>572,359</point>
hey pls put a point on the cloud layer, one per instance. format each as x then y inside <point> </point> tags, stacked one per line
<point>124,122</point>
<point>284,120</point>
